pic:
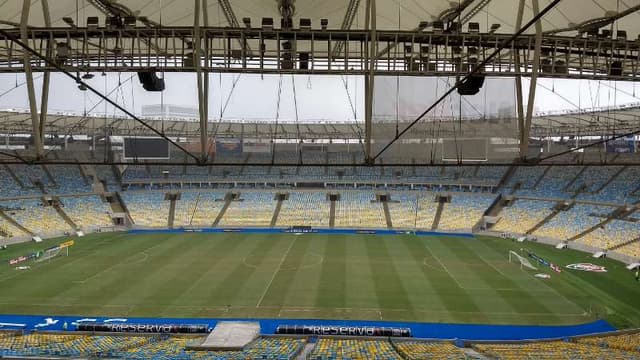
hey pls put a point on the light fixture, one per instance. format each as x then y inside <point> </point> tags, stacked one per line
<point>69,21</point>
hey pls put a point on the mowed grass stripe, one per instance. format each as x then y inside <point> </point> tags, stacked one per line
<point>516,296</point>
<point>78,256</point>
<point>614,294</point>
<point>195,275</point>
<point>420,291</point>
<point>156,281</point>
<point>278,291</point>
<point>68,270</point>
<point>240,284</point>
<point>331,291</point>
<point>108,280</point>
<point>537,289</point>
<point>461,306</point>
<point>360,286</point>
<point>210,265</point>
<point>303,288</point>
<point>475,279</point>
<point>390,292</point>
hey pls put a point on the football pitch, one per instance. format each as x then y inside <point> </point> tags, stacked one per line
<point>315,276</point>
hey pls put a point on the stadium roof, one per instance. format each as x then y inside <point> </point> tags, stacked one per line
<point>391,14</point>
<point>594,123</point>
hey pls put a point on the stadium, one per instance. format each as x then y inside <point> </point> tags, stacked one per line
<point>298,179</point>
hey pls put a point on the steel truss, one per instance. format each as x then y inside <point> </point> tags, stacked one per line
<point>172,49</point>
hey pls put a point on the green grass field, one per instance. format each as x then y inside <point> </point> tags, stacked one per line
<point>428,279</point>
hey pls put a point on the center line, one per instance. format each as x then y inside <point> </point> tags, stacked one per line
<point>276,272</point>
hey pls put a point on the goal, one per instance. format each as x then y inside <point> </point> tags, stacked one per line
<point>52,253</point>
<point>524,262</point>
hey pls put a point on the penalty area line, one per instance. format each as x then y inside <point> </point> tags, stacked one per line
<point>266,289</point>
<point>444,267</point>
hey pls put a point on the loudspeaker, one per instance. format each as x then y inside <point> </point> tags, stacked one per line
<point>472,85</point>
<point>616,68</point>
<point>150,81</point>
<point>304,60</point>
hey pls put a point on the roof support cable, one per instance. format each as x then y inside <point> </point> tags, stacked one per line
<point>275,133</point>
<point>295,107</point>
<point>476,69</point>
<point>79,81</point>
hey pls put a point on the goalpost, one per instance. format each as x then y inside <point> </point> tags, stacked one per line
<point>524,262</point>
<point>52,253</point>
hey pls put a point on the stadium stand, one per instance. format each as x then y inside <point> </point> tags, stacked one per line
<point>87,211</point>
<point>402,209</point>
<point>198,208</point>
<point>632,249</point>
<point>619,190</point>
<point>359,209</point>
<point>626,342</point>
<point>552,350</point>
<point>327,349</point>
<point>39,219</point>
<point>573,221</point>
<point>148,208</point>
<point>10,188</point>
<point>554,182</point>
<point>525,177</point>
<point>68,179</point>
<point>253,209</point>
<point>173,347</point>
<point>427,207</point>
<point>464,211</point>
<point>8,230</point>
<point>420,350</point>
<point>593,177</point>
<point>305,208</point>
<point>523,215</point>
<point>613,233</point>
<point>138,347</point>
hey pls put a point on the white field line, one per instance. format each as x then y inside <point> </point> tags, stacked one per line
<point>444,267</point>
<point>227,309</point>
<point>492,266</point>
<point>266,289</point>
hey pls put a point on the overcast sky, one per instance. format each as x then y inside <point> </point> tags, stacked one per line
<point>318,98</point>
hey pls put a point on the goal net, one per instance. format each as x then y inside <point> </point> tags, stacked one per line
<point>524,262</point>
<point>51,253</point>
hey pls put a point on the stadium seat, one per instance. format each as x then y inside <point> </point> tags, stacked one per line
<point>328,349</point>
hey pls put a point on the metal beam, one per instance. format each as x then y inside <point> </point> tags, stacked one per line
<point>449,15</point>
<point>473,11</point>
<point>524,143</point>
<point>47,74</point>
<point>197,43</point>
<point>370,79</point>
<point>232,20</point>
<point>347,21</point>
<point>518,80</point>
<point>475,69</point>
<point>595,23</point>
<point>33,106</point>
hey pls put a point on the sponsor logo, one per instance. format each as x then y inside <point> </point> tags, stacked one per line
<point>544,262</point>
<point>343,330</point>
<point>587,267</point>
<point>67,244</point>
